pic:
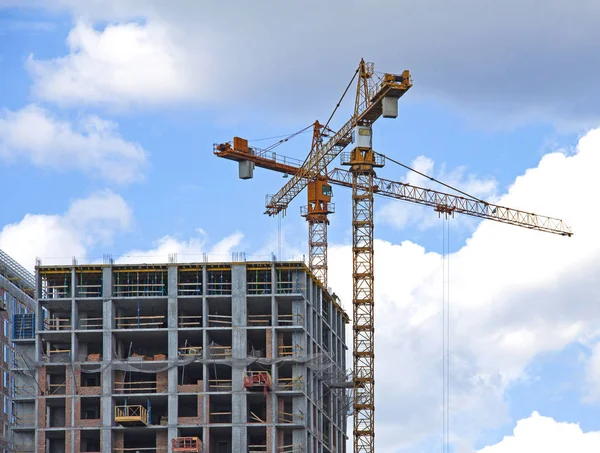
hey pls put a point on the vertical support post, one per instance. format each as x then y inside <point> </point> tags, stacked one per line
<point>362,299</point>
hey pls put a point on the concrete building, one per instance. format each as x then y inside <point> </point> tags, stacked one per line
<point>16,299</point>
<point>211,357</point>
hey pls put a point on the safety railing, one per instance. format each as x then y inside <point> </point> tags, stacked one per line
<point>189,288</point>
<point>219,385</point>
<point>218,289</point>
<point>57,355</point>
<point>23,421</point>
<point>57,324</point>
<point>136,387</point>
<point>220,417</point>
<point>256,288</point>
<point>292,448</point>
<point>186,444</point>
<point>131,415</point>
<point>219,352</point>
<point>289,418</point>
<point>90,323</point>
<point>290,320</point>
<point>190,321</point>
<point>289,351</point>
<point>186,351</point>
<point>57,389</point>
<point>56,291</point>
<point>290,384</point>
<point>140,322</point>
<point>259,320</point>
<point>257,449</point>
<point>84,291</point>
<point>219,321</point>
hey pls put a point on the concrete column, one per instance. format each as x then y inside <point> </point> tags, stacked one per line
<point>107,375</point>
<point>172,352</point>
<point>239,436</point>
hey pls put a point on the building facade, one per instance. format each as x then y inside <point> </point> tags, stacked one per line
<point>16,299</point>
<point>205,357</point>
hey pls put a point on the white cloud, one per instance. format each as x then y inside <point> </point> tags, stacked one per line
<point>544,434</point>
<point>264,52</point>
<point>592,376</point>
<point>92,146</point>
<point>400,215</point>
<point>119,65</point>
<point>515,294</point>
<point>56,239</point>
<point>192,250</point>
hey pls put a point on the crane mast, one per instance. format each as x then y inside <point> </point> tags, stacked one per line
<point>375,96</point>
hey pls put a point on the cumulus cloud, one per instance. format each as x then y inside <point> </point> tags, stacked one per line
<point>57,238</point>
<point>515,294</point>
<point>400,215</point>
<point>92,146</point>
<point>194,249</point>
<point>495,58</point>
<point>121,64</point>
<point>538,433</point>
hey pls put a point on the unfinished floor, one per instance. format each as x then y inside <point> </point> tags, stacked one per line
<point>211,357</point>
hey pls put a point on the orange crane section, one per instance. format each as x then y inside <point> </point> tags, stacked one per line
<point>376,96</point>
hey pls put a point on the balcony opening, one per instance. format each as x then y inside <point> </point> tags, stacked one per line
<point>55,413</point>
<point>56,383</point>
<point>289,313</point>
<point>257,342</point>
<point>219,344</point>
<point>141,314</point>
<point>190,282</point>
<point>219,378</point>
<point>89,283</point>
<point>148,282</point>
<point>187,406</point>
<point>89,441</point>
<point>257,439</point>
<point>127,382</point>
<point>90,408</point>
<point>189,344</point>
<point>90,345</point>
<point>219,313</point>
<point>91,379</point>
<point>219,408</point>
<point>56,284</point>
<point>190,375</point>
<point>259,312</point>
<point>258,280</point>
<point>189,313</point>
<point>257,408</point>
<point>218,281</point>
<point>90,315</point>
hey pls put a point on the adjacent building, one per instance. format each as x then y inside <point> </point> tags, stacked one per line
<point>16,299</point>
<point>203,357</point>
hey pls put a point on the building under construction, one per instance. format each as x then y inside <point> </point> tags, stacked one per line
<point>203,357</point>
<point>16,300</point>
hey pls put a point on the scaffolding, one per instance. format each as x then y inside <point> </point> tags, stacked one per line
<point>131,415</point>
<point>24,326</point>
<point>186,444</point>
<point>17,274</point>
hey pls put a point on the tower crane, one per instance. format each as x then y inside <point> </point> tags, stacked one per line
<point>375,96</point>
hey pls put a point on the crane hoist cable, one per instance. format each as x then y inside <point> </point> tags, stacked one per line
<point>431,178</point>
<point>445,335</point>
<point>285,138</point>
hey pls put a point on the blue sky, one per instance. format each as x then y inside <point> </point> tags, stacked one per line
<point>110,111</point>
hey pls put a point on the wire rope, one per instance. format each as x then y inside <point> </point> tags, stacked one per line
<point>431,178</point>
